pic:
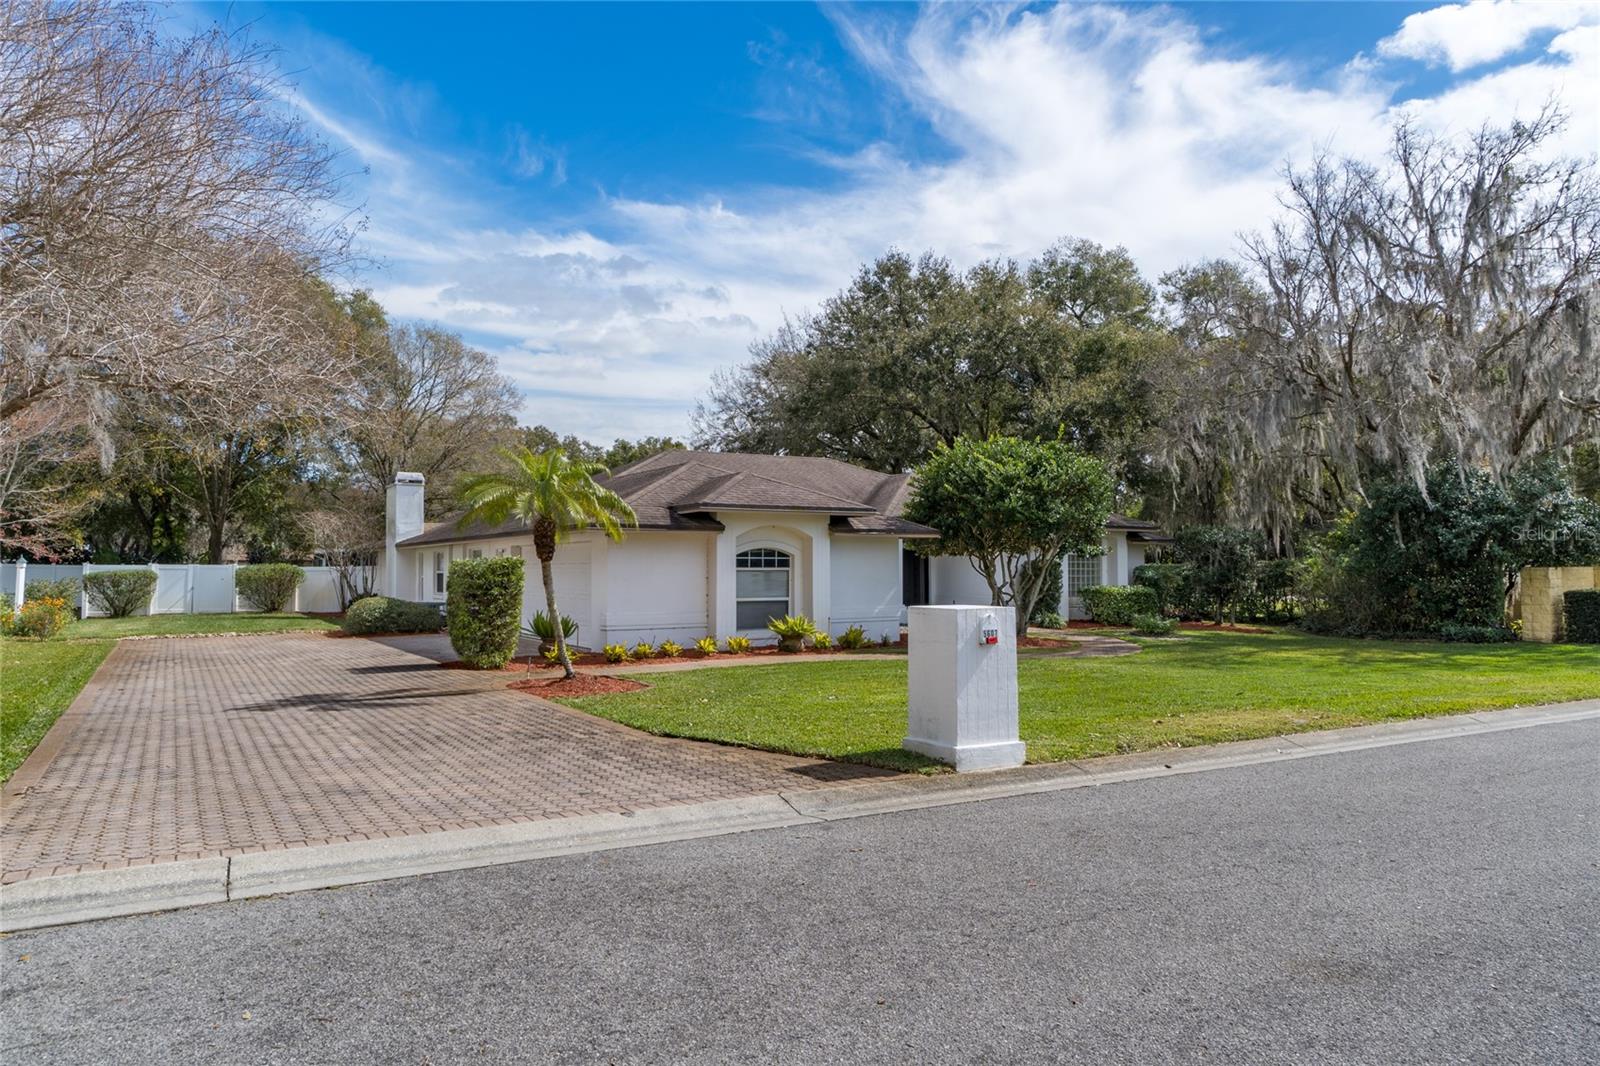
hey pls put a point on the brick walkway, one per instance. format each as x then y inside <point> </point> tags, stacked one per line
<point>181,749</point>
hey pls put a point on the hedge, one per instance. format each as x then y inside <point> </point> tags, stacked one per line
<point>484,610</point>
<point>383,614</point>
<point>1582,607</point>
<point>119,593</point>
<point>1117,605</point>
<point>268,586</point>
<point>1170,583</point>
<point>1458,633</point>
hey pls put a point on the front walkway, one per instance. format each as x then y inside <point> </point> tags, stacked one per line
<point>182,749</point>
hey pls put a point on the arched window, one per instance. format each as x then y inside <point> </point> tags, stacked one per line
<point>761,586</point>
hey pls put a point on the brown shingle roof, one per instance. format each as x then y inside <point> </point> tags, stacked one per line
<point>681,489</point>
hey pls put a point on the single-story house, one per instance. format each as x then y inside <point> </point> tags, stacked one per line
<point>724,542</point>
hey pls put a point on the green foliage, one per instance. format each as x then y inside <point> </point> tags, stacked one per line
<point>1460,634</point>
<point>821,639</point>
<point>482,608</point>
<point>1048,604</point>
<point>1170,583</point>
<point>615,653</point>
<point>1407,563</point>
<point>1003,502</point>
<point>120,593</point>
<point>384,614</point>
<point>545,632</point>
<point>707,645</point>
<point>1153,625</point>
<point>44,617</point>
<point>853,638</point>
<point>1582,611</point>
<point>1222,563</point>
<point>670,649</point>
<point>1118,605</point>
<point>915,352</point>
<point>737,645</point>
<point>268,586</point>
<point>792,631</point>
<point>1049,620</point>
<point>65,588</point>
<point>644,650</point>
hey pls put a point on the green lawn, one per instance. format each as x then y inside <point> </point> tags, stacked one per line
<point>38,679</point>
<point>1198,689</point>
<point>168,625</point>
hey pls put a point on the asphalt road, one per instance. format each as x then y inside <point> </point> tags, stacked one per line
<point>1432,902</point>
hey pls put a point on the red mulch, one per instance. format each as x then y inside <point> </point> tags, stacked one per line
<point>581,685</point>
<point>594,658</point>
<point>1224,628</point>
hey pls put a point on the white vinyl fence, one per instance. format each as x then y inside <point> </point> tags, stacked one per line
<point>182,588</point>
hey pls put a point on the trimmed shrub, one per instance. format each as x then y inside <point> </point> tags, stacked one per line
<point>43,618</point>
<point>1170,583</point>
<point>1048,620</point>
<point>268,586</point>
<point>1582,610</point>
<point>65,589</point>
<point>384,614</point>
<point>616,653</point>
<point>1153,625</point>
<point>119,593</point>
<point>853,638</point>
<point>483,610</point>
<point>1118,604</point>
<point>1466,634</point>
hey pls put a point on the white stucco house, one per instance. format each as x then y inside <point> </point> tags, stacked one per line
<point>724,542</point>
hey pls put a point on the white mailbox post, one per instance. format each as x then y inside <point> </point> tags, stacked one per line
<point>963,686</point>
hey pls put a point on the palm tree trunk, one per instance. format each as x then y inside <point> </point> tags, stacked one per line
<point>546,572</point>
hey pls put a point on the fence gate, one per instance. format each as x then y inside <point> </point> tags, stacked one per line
<point>172,590</point>
<point>212,591</point>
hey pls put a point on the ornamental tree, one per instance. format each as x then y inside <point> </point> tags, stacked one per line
<point>1002,502</point>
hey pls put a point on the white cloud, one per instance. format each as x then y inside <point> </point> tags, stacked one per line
<point>1122,125</point>
<point>1467,35</point>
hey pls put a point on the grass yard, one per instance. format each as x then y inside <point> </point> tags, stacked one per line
<point>171,625</point>
<point>1201,688</point>
<point>38,679</point>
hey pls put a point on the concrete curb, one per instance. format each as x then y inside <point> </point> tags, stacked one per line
<point>86,896</point>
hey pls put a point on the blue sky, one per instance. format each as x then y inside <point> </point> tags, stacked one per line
<point>617,199</point>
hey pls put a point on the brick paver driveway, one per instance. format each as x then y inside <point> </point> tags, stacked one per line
<point>186,748</point>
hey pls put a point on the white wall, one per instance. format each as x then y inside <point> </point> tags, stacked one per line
<point>653,586</point>
<point>866,585</point>
<point>187,588</point>
<point>951,579</point>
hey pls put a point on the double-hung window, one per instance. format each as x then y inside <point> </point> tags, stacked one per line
<point>761,586</point>
<point>438,573</point>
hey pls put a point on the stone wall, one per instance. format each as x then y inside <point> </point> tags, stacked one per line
<point>1538,601</point>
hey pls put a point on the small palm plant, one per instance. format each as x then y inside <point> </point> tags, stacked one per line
<point>556,496</point>
<point>792,631</point>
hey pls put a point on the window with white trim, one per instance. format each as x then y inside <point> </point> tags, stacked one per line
<point>438,573</point>
<point>761,586</point>
<point>1080,572</point>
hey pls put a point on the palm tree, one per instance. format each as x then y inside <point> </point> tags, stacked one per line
<point>556,496</point>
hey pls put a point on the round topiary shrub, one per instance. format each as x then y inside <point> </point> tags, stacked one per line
<point>120,593</point>
<point>268,586</point>
<point>484,609</point>
<point>384,614</point>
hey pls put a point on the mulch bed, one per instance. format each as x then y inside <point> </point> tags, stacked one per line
<point>1224,628</point>
<point>581,685</point>
<point>594,658</point>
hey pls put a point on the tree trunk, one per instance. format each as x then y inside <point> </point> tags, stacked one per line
<point>544,546</point>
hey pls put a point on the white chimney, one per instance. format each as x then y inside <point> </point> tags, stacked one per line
<point>402,518</point>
